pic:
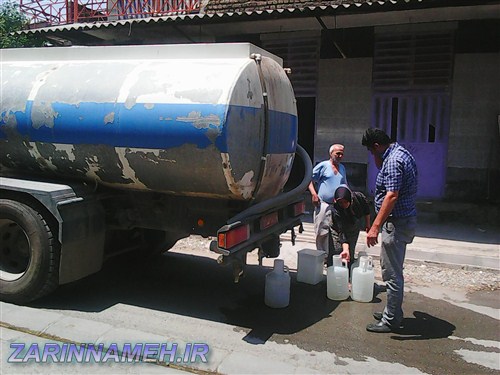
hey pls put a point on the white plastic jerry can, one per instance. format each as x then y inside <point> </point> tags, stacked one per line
<point>363,278</point>
<point>277,289</point>
<point>361,253</point>
<point>337,279</point>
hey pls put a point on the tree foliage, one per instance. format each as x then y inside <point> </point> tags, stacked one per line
<point>12,20</point>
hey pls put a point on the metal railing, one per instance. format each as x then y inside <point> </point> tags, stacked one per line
<point>42,13</point>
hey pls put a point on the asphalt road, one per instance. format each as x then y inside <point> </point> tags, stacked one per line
<point>186,297</point>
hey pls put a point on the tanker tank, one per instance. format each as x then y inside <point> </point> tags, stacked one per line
<point>215,121</point>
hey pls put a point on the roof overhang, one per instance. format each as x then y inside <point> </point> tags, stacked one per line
<point>354,14</point>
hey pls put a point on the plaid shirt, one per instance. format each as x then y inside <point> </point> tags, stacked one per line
<point>398,173</point>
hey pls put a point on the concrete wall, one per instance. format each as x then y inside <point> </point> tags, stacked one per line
<point>474,147</point>
<point>475,109</point>
<point>343,113</point>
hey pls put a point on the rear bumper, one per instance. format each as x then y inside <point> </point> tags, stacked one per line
<point>287,220</point>
<point>283,204</point>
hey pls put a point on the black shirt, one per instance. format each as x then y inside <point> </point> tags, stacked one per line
<point>345,220</point>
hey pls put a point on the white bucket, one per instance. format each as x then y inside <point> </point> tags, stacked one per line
<point>337,279</point>
<point>363,278</point>
<point>277,290</point>
<point>310,266</point>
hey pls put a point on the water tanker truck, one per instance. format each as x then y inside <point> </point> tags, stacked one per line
<point>107,149</point>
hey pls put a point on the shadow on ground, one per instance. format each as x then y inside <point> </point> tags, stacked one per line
<point>198,287</point>
<point>424,327</point>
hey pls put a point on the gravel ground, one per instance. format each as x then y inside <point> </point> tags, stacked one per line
<point>464,278</point>
<point>453,277</point>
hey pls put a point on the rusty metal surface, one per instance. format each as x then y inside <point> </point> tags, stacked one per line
<point>185,120</point>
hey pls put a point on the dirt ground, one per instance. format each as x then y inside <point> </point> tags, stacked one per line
<point>417,273</point>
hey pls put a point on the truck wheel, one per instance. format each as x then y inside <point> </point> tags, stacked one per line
<point>29,254</point>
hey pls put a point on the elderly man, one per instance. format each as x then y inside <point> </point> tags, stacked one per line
<point>395,194</point>
<point>328,176</point>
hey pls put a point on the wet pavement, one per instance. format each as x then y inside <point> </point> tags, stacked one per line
<point>184,296</point>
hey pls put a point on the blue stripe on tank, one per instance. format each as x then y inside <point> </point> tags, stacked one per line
<point>283,132</point>
<point>159,126</point>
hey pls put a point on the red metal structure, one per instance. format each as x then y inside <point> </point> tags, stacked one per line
<point>61,12</point>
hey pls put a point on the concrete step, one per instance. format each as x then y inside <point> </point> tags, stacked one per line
<point>307,235</point>
<point>481,249</point>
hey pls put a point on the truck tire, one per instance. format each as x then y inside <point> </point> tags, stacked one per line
<point>29,254</point>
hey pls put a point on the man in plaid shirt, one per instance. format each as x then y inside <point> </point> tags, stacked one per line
<point>395,194</point>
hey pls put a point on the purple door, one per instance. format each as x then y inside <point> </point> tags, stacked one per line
<point>420,122</point>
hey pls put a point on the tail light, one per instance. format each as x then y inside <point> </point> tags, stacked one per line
<point>233,237</point>
<point>299,208</point>
<point>268,221</point>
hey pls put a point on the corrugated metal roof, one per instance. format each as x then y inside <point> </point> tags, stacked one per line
<point>106,24</point>
<point>244,5</point>
<point>219,9</point>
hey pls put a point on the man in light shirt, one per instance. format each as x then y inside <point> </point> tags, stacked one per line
<point>326,178</point>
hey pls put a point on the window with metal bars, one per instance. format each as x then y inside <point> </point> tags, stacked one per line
<point>413,61</point>
<point>301,55</point>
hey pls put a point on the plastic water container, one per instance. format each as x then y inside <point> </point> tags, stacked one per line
<point>363,278</point>
<point>337,279</point>
<point>355,264</point>
<point>310,266</point>
<point>277,290</point>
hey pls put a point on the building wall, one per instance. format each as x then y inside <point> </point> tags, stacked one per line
<point>474,148</point>
<point>343,113</point>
